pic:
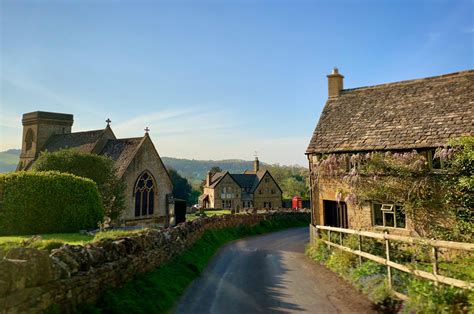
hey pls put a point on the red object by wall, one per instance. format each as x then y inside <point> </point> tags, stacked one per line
<point>296,202</point>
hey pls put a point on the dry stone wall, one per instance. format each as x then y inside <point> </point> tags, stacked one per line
<point>32,280</point>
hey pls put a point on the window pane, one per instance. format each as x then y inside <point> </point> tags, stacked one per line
<point>389,219</point>
<point>137,203</point>
<point>378,218</point>
<point>400,217</point>
<point>152,202</point>
<point>149,184</point>
<point>144,203</point>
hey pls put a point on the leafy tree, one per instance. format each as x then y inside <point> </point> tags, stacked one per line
<point>100,169</point>
<point>181,187</point>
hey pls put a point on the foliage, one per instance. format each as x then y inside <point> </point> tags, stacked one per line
<point>181,188</point>
<point>458,188</point>
<point>438,203</point>
<point>293,180</point>
<point>157,291</point>
<point>100,169</point>
<point>48,202</point>
<point>424,296</point>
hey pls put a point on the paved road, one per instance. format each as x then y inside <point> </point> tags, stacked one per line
<point>270,274</point>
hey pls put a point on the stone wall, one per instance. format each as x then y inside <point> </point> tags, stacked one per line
<point>32,280</point>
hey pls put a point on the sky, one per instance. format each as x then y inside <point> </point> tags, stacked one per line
<point>215,79</point>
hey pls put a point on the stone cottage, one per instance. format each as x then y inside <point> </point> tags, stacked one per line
<point>149,188</point>
<point>421,114</point>
<point>252,189</point>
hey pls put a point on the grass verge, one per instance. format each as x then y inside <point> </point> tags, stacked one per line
<point>159,290</point>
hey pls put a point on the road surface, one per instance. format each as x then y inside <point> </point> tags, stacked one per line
<point>270,274</point>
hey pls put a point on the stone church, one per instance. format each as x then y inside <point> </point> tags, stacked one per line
<point>148,197</point>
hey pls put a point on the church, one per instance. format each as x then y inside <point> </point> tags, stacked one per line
<point>148,196</point>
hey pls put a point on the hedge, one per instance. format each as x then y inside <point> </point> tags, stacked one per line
<point>47,202</point>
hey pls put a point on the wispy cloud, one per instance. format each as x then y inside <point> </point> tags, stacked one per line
<point>171,122</point>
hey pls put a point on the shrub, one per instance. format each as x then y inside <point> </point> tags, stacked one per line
<point>100,169</point>
<point>47,202</point>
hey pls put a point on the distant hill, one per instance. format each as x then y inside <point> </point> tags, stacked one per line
<point>193,170</point>
<point>9,160</point>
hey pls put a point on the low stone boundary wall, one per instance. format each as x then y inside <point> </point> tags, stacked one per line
<point>32,280</point>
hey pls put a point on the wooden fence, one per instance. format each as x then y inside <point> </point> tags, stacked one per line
<point>434,244</point>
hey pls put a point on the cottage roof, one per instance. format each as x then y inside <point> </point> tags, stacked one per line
<point>249,179</point>
<point>413,114</point>
<point>122,151</point>
<point>84,141</point>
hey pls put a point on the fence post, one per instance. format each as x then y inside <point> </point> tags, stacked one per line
<point>329,239</point>
<point>360,249</point>
<point>387,253</point>
<point>434,251</point>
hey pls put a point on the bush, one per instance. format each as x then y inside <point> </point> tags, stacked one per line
<point>100,169</point>
<point>47,202</point>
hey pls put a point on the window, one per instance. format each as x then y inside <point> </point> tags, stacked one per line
<point>435,162</point>
<point>260,191</point>
<point>29,138</point>
<point>226,204</point>
<point>267,180</point>
<point>388,215</point>
<point>144,195</point>
<point>273,191</point>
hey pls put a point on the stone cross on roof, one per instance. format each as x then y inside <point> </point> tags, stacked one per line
<point>108,121</point>
<point>147,130</point>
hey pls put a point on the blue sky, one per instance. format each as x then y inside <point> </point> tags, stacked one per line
<point>215,79</point>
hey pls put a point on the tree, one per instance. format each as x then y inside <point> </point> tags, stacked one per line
<point>181,188</point>
<point>100,169</point>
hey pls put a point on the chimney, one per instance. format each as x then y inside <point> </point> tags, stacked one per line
<point>256,165</point>
<point>335,83</point>
<point>209,178</point>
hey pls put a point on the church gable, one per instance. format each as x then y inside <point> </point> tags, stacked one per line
<point>135,157</point>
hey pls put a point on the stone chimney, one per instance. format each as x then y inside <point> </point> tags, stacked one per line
<point>209,178</point>
<point>256,165</point>
<point>335,83</point>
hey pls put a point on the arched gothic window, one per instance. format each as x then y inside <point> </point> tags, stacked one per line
<point>144,195</point>
<point>29,138</point>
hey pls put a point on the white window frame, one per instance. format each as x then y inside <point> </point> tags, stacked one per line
<point>386,209</point>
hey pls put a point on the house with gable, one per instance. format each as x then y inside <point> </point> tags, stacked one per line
<point>252,189</point>
<point>421,115</point>
<point>148,194</point>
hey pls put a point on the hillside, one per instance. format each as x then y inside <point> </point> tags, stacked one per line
<point>194,170</point>
<point>9,160</point>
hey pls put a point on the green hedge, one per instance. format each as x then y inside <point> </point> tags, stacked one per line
<point>47,202</point>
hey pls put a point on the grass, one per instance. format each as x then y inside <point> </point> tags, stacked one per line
<point>47,241</point>
<point>159,290</point>
<point>208,213</point>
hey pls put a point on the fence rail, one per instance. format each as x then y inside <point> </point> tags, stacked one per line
<point>434,244</point>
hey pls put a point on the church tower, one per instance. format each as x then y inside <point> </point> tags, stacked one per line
<point>38,127</point>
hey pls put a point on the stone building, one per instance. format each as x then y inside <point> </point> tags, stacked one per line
<point>149,188</point>
<point>252,189</point>
<point>421,114</point>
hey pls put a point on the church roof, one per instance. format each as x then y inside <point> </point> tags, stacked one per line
<point>122,151</point>
<point>413,114</point>
<point>84,141</point>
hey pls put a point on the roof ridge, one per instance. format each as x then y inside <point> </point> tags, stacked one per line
<point>403,82</point>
